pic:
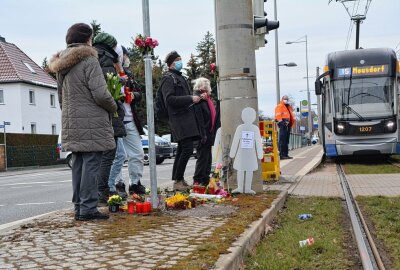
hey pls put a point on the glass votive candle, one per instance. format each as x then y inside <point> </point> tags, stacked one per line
<point>131,207</point>
<point>139,208</point>
<point>147,207</point>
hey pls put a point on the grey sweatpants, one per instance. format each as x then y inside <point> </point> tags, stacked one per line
<point>85,167</point>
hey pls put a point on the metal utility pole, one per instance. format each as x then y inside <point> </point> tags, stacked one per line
<point>278,87</point>
<point>237,72</point>
<point>150,107</point>
<point>319,112</point>
<point>358,20</point>
<point>310,127</point>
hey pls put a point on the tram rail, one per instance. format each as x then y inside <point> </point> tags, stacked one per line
<point>369,254</point>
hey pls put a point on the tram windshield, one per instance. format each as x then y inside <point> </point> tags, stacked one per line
<point>364,98</point>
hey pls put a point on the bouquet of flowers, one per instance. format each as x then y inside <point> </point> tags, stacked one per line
<point>145,44</point>
<point>179,201</point>
<point>114,86</point>
<point>114,200</point>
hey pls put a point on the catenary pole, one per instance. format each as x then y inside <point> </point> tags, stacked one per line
<point>237,72</point>
<point>310,128</point>
<point>150,107</point>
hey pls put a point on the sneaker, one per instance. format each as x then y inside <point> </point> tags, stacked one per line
<point>92,216</point>
<point>120,187</point>
<point>288,157</point>
<point>283,157</point>
<point>137,188</point>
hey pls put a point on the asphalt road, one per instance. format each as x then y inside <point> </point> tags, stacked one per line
<point>29,193</point>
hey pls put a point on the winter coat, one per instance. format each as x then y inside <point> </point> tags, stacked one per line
<point>203,117</point>
<point>118,121</point>
<point>179,103</point>
<point>136,117</point>
<point>86,105</point>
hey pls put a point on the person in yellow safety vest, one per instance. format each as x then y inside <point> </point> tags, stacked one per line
<point>284,117</point>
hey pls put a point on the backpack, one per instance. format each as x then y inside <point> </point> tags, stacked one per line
<point>161,111</point>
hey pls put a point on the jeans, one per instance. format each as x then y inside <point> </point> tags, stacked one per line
<point>85,167</point>
<point>107,159</point>
<point>116,168</point>
<point>183,153</point>
<point>134,151</point>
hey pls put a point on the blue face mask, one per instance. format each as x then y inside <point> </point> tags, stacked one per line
<point>178,65</point>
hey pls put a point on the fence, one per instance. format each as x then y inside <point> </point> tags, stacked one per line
<point>295,141</point>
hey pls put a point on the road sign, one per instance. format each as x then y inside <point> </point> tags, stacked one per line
<point>1,126</point>
<point>302,128</point>
<point>7,123</point>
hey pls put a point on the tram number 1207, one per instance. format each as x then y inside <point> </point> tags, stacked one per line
<point>365,129</point>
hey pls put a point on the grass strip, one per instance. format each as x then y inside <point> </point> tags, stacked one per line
<point>384,212</point>
<point>370,168</point>
<point>280,249</point>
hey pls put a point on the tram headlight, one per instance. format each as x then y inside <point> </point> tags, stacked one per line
<point>390,126</point>
<point>340,128</point>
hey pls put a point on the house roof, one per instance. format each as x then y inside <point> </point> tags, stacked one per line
<point>16,66</point>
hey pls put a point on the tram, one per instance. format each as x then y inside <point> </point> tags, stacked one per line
<point>360,102</point>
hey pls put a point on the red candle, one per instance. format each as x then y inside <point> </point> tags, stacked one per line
<point>131,207</point>
<point>147,207</point>
<point>139,207</point>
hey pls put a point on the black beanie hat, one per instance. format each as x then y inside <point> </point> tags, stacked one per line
<point>78,33</point>
<point>170,58</point>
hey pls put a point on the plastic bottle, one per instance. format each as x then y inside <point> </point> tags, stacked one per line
<point>305,216</point>
<point>307,242</point>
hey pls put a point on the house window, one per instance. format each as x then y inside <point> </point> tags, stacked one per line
<point>1,96</point>
<point>53,129</point>
<point>33,128</point>
<point>29,67</point>
<point>52,100</point>
<point>31,97</point>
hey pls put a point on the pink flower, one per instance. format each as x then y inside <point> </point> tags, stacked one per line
<point>148,41</point>
<point>218,166</point>
<point>155,43</point>
<point>139,42</point>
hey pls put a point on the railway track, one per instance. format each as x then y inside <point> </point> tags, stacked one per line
<point>369,254</point>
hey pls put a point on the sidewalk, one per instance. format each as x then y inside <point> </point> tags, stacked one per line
<point>56,241</point>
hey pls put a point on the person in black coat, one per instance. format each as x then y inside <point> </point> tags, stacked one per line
<point>206,119</point>
<point>179,101</point>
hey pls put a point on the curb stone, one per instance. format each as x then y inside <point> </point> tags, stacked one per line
<point>249,238</point>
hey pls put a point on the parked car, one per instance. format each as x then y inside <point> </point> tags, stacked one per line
<point>173,144</point>
<point>164,148</point>
<point>63,155</point>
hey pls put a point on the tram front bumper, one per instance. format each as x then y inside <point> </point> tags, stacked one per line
<point>366,146</point>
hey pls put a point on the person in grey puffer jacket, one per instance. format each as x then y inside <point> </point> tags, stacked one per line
<point>85,112</point>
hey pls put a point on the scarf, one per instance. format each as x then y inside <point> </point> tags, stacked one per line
<point>212,111</point>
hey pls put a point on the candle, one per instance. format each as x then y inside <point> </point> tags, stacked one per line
<point>131,207</point>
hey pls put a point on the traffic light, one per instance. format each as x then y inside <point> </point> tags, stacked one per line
<point>261,24</point>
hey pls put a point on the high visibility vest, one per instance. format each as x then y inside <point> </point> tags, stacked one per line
<point>284,112</point>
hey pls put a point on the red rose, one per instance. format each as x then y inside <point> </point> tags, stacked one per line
<point>139,42</point>
<point>155,43</point>
<point>148,41</point>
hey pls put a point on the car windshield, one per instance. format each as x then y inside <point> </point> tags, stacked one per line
<point>365,98</point>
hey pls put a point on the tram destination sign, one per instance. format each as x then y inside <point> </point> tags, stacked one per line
<point>363,71</point>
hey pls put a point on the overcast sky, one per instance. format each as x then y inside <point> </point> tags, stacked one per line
<point>38,27</point>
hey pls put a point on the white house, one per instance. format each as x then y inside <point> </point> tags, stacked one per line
<point>28,95</point>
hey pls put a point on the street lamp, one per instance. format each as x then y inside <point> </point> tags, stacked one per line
<point>308,88</point>
<point>278,84</point>
<point>290,64</point>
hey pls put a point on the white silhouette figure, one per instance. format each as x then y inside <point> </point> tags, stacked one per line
<point>246,148</point>
<point>217,148</point>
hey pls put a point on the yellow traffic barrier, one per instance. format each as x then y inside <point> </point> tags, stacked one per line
<point>270,163</point>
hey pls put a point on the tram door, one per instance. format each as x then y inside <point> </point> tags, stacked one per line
<point>329,140</point>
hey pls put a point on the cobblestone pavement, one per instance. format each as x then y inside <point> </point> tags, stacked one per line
<point>66,244</point>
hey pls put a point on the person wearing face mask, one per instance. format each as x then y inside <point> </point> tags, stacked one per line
<point>284,117</point>
<point>179,101</point>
